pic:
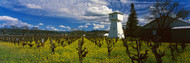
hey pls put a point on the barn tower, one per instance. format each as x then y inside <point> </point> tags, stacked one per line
<point>116,30</point>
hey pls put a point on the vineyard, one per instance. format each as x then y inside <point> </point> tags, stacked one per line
<point>94,31</point>
<point>75,49</point>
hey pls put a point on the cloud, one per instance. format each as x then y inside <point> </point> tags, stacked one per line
<point>64,10</point>
<point>97,15</point>
<point>105,23</point>
<point>87,24</point>
<point>9,21</point>
<point>99,2</point>
<point>142,6</point>
<point>98,11</point>
<point>62,26</point>
<point>65,27</point>
<point>52,28</point>
<point>84,26</point>
<point>36,26</point>
<point>139,1</point>
<point>59,8</point>
<point>126,1</point>
<point>34,6</point>
<point>40,24</point>
<point>142,21</point>
<point>97,26</point>
<point>81,26</point>
<point>108,28</point>
<point>95,11</point>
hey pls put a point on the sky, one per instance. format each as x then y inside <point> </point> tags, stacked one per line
<point>66,15</point>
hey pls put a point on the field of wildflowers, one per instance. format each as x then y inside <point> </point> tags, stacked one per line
<point>10,53</point>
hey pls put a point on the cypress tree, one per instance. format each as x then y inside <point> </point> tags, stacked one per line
<point>132,28</point>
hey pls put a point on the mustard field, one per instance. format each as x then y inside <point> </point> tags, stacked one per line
<point>10,53</point>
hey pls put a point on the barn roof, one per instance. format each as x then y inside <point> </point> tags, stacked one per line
<point>155,21</point>
<point>116,12</point>
<point>181,27</point>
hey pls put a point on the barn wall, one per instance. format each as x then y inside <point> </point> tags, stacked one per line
<point>188,35</point>
<point>148,34</point>
<point>181,35</point>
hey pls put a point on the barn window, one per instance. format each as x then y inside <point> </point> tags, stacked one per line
<point>154,32</point>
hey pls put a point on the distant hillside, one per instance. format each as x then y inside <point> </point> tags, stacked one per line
<point>96,33</point>
<point>27,32</point>
<point>8,31</point>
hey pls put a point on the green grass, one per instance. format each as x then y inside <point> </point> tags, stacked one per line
<point>10,53</point>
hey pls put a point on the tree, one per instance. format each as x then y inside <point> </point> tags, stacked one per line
<point>110,44</point>
<point>165,13</point>
<point>154,46</point>
<point>132,28</point>
<point>24,31</point>
<point>35,32</point>
<point>81,50</point>
<point>140,56</point>
<point>15,29</point>
<point>3,33</point>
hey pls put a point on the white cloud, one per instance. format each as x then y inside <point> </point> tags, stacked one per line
<point>98,26</point>
<point>62,8</point>
<point>8,18</point>
<point>52,28</point>
<point>34,6</point>
<point>100,2</point>
<point>81,26</point>
<point>142,6</point>
<point>98,11</point>
<point>107,23</point>
<point>87,24</point>
<point>9,21</point>
<point>84,26</point>
<point>40,24</point>
<point>126,1</point>
<point>95,11</point>
<point>36,26</point>
<point>108,28</point>
<point>133,1</point>
<point>55,29</point>
<point>86,10</point>
<point>62,26</point>
<point>152,7</point>
<point>141,20</point>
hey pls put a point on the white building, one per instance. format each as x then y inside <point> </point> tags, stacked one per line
<point>106,34</point>
<point>116,30</point>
